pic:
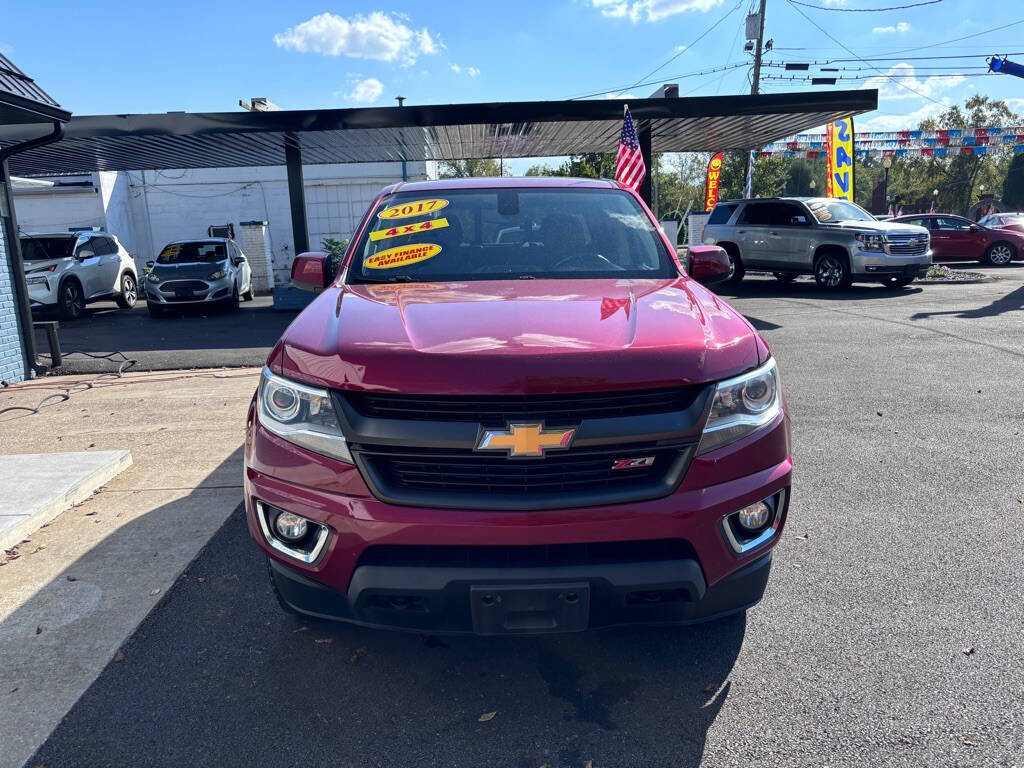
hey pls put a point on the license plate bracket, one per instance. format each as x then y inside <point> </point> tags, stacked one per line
<point>183,293</point>
<point>511,609</point>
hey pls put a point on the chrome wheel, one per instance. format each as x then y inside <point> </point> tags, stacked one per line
<point>72,302</point>
<point>129,292</point>
<point>830,272</point>
<point>1000,254</point>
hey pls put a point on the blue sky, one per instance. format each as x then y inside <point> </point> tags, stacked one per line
<point>108,57</point>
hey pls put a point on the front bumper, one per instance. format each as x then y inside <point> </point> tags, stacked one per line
<point>378,551</point>
<point>876,264</point>
<point>43,289</point>
<point>166,293</point>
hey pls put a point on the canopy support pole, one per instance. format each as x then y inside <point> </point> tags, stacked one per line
<point>644,136</point>
<point>296,193</point>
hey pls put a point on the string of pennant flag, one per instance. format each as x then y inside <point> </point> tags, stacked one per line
<point>862,152</point>
<point>937,143</point>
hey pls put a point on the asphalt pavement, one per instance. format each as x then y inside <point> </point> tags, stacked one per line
<point>185,338</point>
<point>891,633</point>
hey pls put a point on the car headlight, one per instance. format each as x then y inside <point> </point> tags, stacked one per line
<point>36,280</point>
<point>742,406</point>
<point>153,277</point>
<point>301,414</point>
<point>217,275</point>
<point>869,242</point>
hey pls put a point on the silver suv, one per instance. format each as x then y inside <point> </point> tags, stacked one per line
<point>67,270</point>
<point>835,240</point>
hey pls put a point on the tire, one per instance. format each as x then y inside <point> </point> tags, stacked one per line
<point>129,291</point>
<point>155,310</point>
<point>247,296</point>
<point>785,277</point>
<point>737,270</point>
<point>232,303</point>
<point>71,302</point>
<point>897,282</point>
<point>999,254</point>
<point>832,271</point>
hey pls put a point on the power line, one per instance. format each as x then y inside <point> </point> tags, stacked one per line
<point>683,76</point>
<point>946,42</point>
<point>825,62</point>
<point>865,10</point>
<point>849,51</point>
<point>864,78</point>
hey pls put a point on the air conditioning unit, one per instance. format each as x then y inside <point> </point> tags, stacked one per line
<point>221,230</point>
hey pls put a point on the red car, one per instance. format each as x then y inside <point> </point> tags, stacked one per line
<point>1010,220</point>
<point>513,411</point>
<point>955,238</point>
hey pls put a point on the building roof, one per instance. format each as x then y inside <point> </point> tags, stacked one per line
<point>432,132</point>
<point>22,101</point>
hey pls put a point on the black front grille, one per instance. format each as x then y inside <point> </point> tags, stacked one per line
<point>594,553</point>
<point>497,409</point>
<point>185,285</point>
<point>467,471</point>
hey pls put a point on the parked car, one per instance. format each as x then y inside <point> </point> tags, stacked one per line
<point>466,434</point>
<point>212,272</point>
<point>835,240</point>
<point>955,238</point>
<point>67,270</point>
<point>1013,221</point>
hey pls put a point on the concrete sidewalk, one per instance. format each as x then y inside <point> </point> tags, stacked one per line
<point>72,594</point>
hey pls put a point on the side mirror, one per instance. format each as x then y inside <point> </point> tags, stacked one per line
<point>309,271</point>
<point>709,264</point>
<point>976,228</point>
<point>798,220</point>
<point>83,254</point>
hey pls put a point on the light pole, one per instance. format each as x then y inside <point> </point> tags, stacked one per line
<point>887,164</point>
<point>935,200</point>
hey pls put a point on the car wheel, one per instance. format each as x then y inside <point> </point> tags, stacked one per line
<point>233,301</point>
<point>71,303</point>
<point>247,296</point>
<point>155,310</point>
<point>999,254</point>
<point>785,277</point>
<point>129,292</point>
<point>736,268</point>
<point>832,272</point>
<point>897,282</point>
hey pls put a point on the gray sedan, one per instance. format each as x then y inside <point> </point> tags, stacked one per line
<point>213,271</point>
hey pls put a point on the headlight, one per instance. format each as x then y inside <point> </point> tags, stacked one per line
<point>742,406</point>
<point>870,242</point>
<point>153,277</point>
<point>302,415</point>
<point>36,280</point>
<point>217,275</point>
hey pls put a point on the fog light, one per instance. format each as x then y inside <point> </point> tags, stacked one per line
<point>290,527</point>
<point>755,516</point>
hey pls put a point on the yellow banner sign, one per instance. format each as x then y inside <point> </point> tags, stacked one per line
<point>415,208</point>
<point>409,229</point>
<point>402,255</point>
<point>839,159</point>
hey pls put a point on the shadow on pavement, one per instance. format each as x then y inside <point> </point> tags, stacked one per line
<point>770,288</point>
<point>219,675</point>
<point>1011,302</point>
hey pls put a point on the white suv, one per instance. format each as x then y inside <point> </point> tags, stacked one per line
<point>67,270</point>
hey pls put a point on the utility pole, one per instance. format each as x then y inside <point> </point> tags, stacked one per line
<point>755,84</point>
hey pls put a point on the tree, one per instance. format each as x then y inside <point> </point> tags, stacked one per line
<point>461,169</point>
<point>1013,184</point>
<point>592,165</point>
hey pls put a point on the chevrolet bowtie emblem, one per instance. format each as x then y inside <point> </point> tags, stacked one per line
<point>526,440</point>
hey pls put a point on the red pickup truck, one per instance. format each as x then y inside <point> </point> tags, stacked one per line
<point>513,411</point>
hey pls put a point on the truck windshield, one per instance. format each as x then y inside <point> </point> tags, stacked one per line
<point>42,248</point>
<point>834,211</point>
<point>192,253</point>
<point>507,234</point>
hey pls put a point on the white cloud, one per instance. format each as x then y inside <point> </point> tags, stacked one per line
<point>365,91</point>
<point>471,71</point>
<point>903,83</point>
<point>651,10</point>
<point>379,35</point>
<point>835,3</point>
<point>907,121</point>
<point>901,28</point>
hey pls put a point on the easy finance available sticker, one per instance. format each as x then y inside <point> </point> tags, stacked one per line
<point>409,229</point>
<point>402,255</point>
<point>415,208</point>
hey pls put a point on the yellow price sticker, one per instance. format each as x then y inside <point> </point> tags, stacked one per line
<point>409,229</point>
<point>415,208</point>
<point>402,255</point>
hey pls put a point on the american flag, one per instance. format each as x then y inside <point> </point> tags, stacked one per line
<point>629,165</point>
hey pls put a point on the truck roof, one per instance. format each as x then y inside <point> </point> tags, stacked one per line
<point>504,182</point>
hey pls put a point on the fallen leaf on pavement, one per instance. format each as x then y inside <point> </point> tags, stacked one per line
<point>154,592</point>
<point>200,579</point>
<point>119,656</point>
<point>300,629</point>
<point>803,537</point>
<point>967,742</point>
<point>879,413</point>
<point>323,640</point>
<point>486,717</point>
<point>39,630</point>
<point>72,578</point>
<point>968,650</point>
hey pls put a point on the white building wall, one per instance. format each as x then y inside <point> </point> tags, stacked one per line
<point>58,209</point>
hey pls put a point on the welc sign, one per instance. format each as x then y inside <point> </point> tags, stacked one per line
<point>839,154</point>
<point>711,182</point>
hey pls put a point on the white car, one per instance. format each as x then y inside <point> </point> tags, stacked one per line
<point>67,270</point>
<point>211,272</point>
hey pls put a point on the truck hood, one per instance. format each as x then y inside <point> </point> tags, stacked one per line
<point>517,337</point>
<point>882,227</point>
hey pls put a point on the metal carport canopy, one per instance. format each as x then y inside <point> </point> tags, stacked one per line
<point>439,132</point>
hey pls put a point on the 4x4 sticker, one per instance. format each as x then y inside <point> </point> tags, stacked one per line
<point>402,255</point>
<point>409,229</point>
<point>415,208</point>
